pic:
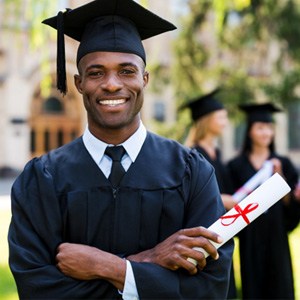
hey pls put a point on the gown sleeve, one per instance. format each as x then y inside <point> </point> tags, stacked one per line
<point>203,207</point>
<point>35,231</point>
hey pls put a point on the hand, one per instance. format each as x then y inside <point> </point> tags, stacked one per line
<point>86,263</point>
<point>228,201</point>
<point>297,192</point>
<point>173,252</point>
<point>277,167</point>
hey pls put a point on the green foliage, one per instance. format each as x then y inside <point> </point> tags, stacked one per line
<point>7,284</point>
<point>8,288</point>
<point>191,56</point>
<point>28,16</point>
<point>288,28</point>
<point>161,78</point>
<point>176,131</point>
<point>250,48</point>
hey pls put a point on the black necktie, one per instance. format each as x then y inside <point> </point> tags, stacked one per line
<point>117,170</point>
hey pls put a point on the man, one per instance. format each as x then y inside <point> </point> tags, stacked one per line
<point>80,227</point>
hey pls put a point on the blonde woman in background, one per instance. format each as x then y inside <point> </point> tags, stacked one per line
<point>209,121</point>
<point>210,118</point>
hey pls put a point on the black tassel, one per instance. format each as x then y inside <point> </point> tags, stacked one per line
<point>61,79</point>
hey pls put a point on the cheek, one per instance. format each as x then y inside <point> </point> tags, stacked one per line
<point>89,87</point>
<point>254,135</point>
<point>224,123</point>
<point>137,88</point>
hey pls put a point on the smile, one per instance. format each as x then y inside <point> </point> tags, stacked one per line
<point>111,102</point>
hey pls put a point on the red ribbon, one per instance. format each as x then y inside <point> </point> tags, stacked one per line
<point>241,212</point>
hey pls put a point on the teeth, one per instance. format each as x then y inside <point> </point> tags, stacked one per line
<point>112,102</point>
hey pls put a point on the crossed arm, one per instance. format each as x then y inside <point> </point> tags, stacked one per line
<point>86,263</point>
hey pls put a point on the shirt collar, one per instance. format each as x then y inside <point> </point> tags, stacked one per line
<point>132,145</point>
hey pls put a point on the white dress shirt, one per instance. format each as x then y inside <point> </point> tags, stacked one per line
<point>96,149</point>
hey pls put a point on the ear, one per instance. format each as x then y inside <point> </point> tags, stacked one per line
<point>77,82</point>
<point>146,78</point>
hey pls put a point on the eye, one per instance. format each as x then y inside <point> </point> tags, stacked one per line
<point>127,71</point>
<point>96,73</point>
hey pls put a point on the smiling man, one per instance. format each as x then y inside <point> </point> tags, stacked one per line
<point>116,213</point>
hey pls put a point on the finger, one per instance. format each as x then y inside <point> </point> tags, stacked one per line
<point>191,259</point>
<point>184,245</point>
<point>201,232</point>
<point>207,246</point>
<point>195,262</point>
<point>192,268</point>
<point>61,246</point>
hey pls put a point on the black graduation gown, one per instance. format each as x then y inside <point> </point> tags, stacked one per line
<point>226,187</point>
<point>266,269</point>
<point>222,174</point>
<point>64,197</point>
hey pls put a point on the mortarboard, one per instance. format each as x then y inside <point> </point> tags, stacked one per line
<point>259,112</point>
<point>105,25</point>
<point>204,105</point>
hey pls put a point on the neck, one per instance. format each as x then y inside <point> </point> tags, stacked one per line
<point>208,143</point>
<point>115,136</point>
<point>260,151</point>
<point>258,156</point>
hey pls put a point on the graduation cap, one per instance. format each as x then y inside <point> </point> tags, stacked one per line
<point>259,112</point>
<point>105,25</point>
<point>204,105</point>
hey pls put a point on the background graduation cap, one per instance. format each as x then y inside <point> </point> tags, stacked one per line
<point>259,112</point>
<point>204,105</point>
<point>105,25</point>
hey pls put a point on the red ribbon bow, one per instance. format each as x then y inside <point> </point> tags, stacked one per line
<point>241,212</point>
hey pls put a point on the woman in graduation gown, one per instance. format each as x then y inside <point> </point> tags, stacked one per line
<point>209,121</point>
<point>265,261</point>
<point>77,233</point>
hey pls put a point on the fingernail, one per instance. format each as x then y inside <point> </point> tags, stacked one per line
<point>220,239</point>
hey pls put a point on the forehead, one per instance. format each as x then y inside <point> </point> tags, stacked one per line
<point>220,112</point>
<point>262,124</point>
<point>217,114</point>
<point>110,59</point>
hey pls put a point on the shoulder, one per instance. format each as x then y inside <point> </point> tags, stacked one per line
<point>172,150</point>
<point>284,159</point>
<point>176,157</point>
<point>64,153</point>
<point>55,158</point>
<point>163,146</point>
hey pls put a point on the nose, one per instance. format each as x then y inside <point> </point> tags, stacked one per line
<point>111,83</point>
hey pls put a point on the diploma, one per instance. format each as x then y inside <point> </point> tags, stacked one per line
<point>261,176</point>
<point>245,212</point>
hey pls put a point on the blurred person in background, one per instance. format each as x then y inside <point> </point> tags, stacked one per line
<point>265,261</point>
<point>210,118</point>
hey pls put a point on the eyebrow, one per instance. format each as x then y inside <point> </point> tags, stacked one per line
<point>125,64</point>
<point>129,64</point>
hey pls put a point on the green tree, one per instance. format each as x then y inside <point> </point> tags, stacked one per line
<point>252,50</point>
<point>26,17</point>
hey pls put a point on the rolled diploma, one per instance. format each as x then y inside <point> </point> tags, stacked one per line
<point>245,212</point>
<point>263,174</point>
